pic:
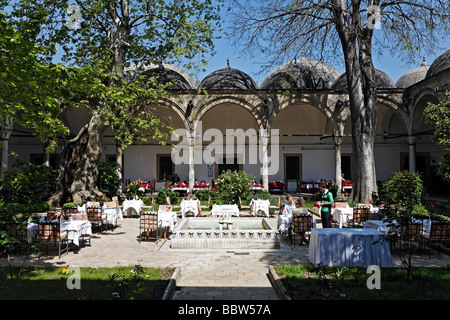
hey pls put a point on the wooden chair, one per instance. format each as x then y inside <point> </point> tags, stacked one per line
<point>277,206</point>
<point>301,225</point>
<point>68,211</point>
<point>242,207</point>
<point>51,232</point>
<point>208,206</point>
<point>95,216</point>
<point>360,215</point>
<point>149,227</point>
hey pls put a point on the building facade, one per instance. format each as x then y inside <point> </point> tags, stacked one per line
<point>295,126</point>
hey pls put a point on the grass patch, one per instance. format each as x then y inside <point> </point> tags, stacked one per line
<point>305,282</point>
<point>120,283</point>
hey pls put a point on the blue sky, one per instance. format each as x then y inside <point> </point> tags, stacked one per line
<point>392,65</point>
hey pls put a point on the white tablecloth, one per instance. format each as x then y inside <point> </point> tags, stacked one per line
<point>76,229</point>
<point>111,214</point>
<point>260,205</point>
<point>385,226</point>
<point>225,209</point>
<point>190,205</point>
<point>168,219</point>
<point>342,215</point>
<point>284,222</point>
<point>348,247</point>
<point>135,204</point>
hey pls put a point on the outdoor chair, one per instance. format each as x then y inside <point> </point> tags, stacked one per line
<point>277,206</point>
<point>360,215</point>
<point>68,211</point>
<point>440,231</point>
<point>50,232</point>
<point>17,231</point>
<point>95,216</point>
<point>149,226</point>
<point>301,227</point>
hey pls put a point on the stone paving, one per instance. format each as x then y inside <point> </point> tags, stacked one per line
<point>205,274</point>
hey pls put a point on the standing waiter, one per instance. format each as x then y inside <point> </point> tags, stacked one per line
<point>327,201</point>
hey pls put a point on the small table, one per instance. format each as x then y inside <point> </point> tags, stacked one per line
<point>349,247</point>
<point>260,205</point>
<point>111,214</point>
<point>343,215</point>
<point>225,209</point>
<point>135,204</point>
<point>76,229</point>
<point>190,205</point>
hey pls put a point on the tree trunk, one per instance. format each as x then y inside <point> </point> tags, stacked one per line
<point>78,176</point>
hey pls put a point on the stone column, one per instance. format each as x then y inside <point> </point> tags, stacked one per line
<point>191,160</point>
<point>412,153</point>
<point>264,136</point>
<point>119,158</point>
<point>337,162</point>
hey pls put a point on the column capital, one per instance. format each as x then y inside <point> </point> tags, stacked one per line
<point>411,140</point>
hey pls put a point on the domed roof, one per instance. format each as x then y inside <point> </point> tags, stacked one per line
<point>166,74</point>
<point>301,74</point>
<point>228,79</point>
<point>440,64</point>
<point>382,80</point>
<point>413,76</point>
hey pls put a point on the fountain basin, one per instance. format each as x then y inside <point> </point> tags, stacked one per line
<point>236,233</point>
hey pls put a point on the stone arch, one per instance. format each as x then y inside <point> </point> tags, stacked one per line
<point>204,106</point>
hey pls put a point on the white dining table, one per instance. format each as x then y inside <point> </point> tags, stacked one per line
<point>260,205</point>
<point>225,209</point>
<point>385,226</point>
<point>135,204</point>
<point>190,205</point>
<point>342,215</point>
<point>168,219</point>
<point>284,222</point>
<point>111,214</point>
<point>349,247</point>
<point>76,229</point>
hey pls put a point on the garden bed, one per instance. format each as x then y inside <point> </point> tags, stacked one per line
<point>120,283</point>
<point>306,282</point>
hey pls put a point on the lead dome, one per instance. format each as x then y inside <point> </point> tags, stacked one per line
<point>228,79</point>
<point>412,77</point>
<point>440,64</point>
<point>301,74</point>
<point>382,81</point>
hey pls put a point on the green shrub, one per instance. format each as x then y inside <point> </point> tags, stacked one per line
<point>404,190</point>
<point>234,184</point>
<point>29,185</point>
<point>161,197</point>
<point>108,180</point>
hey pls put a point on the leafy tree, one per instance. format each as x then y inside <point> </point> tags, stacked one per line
<point>31,90</point>
<point>111,36</point>
<point>403,194</point>
<point>439,116</point>
<point>352,30</point>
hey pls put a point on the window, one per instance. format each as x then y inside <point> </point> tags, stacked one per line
<point>165,167</point>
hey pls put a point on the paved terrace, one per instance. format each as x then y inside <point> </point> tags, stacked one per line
<point>205,274</point>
